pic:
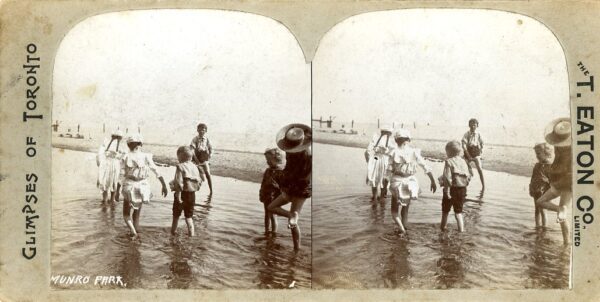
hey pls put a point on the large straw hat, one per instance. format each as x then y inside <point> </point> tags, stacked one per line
<point>558,132</point>
<point>294,138</point>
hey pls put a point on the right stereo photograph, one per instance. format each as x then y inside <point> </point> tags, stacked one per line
<point>441,153</point>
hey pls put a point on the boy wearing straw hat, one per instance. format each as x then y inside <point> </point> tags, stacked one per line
<point>295,140</point>
<point>558,134</point>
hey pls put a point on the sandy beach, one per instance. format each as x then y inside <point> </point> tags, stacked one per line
<point>514,160</point>
<point>241,165</point>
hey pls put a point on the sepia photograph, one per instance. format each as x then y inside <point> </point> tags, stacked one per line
<point>442,153</point>
<point>181,153</point>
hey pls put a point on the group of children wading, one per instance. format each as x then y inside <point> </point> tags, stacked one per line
<point>392,166</point>
<point>126,172</point>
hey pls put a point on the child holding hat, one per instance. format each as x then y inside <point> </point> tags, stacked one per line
<point>295,140</point>
<point>377,159</point>
<point>108,161</point>
<point>136,188</point>
<point>558,134</point>
<point>404,186</point>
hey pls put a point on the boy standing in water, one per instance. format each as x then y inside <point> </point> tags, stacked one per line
<point>202,152</point>
<point>269,188</point>
<point>540,183</point>
<point>454,180</point>
<point>472,145</point>
<point>187,181</point>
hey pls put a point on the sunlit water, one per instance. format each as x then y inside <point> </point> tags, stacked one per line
<point>355,245</point>
<point>230,249</point>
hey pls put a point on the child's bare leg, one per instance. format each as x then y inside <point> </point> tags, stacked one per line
<point>384,188</point>
<point>117,192</point>
<point>545,201</point>
<point>174,225</point>
<point>104,196</point>
<point>480,172</point>
<point>190,226</point>
<point>275,205</point>
<point>136,218</point>
<point>127,218</point>
<point>296,237</point>
<point>460,221</point>
<point>374,193</point>
<point>565,201</point>
<point>395,211</point>
<point>404,214</point>
<point>267,218</point>
<point>295,208</point>
<point>273,222</point>
<point>112,196</point>
<point>444,221</point>
<point>208,178</point>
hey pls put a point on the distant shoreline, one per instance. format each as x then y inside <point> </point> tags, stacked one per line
<point>240,165</point>
<point>508,159</point>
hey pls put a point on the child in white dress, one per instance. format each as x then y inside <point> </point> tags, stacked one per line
<point>136,188</point>
<point>108,161</point>
<point>403,183</point>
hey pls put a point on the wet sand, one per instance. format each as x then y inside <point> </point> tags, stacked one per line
<point>355,246</point>
<point>517,160</point>
<point>241,165</point>
<point>230,249</point>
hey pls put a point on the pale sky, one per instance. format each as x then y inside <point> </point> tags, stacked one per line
<point>167,70</point>
<point>443,67</point>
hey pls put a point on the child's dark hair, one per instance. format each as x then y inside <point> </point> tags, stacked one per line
<point>133,145</point>
<point>401,140</point>
<point>473,121</point>
<point>202,125</point>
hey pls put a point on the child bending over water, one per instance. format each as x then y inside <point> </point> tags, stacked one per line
<point>136,188</point>
<point>187,181</point>
<point>558,134</point>
<point>403,184</point>
<point>295,140</point>
<point>269,188</point>
<point>454,180</point>
<point>540,183</point>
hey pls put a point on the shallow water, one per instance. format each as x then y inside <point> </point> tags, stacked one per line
<point>354,244</point>
<point>230,249</point>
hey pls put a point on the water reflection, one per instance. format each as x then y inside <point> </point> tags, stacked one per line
<point>397,270</point>
<point>450,271</point>
<point>181,271</point>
